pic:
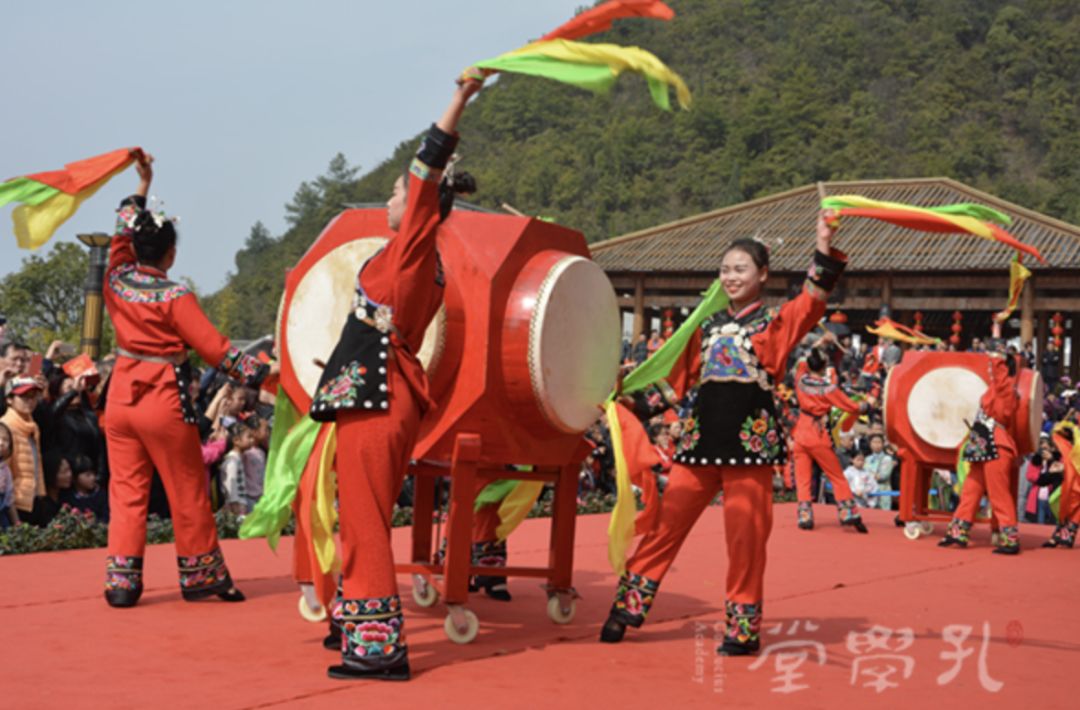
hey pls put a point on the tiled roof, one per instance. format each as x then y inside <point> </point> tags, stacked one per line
<point>785,222</point>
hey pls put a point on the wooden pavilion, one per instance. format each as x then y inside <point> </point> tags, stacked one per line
<point>660,272</point>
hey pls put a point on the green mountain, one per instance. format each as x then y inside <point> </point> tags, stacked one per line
<point>786,92</point>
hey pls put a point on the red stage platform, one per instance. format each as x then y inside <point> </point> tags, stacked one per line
<point>62,647</point>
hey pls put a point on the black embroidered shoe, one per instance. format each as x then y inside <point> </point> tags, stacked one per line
<point>856,523</point>
<point>956,534</point>
<point>343,672</point>
<point>332,642</point>
<point>122,598</point>
<point>232,595</point>
<point>806,516</point>
<point>494,587</point>
<point>614,629</point>
<point>1008,541</point>
<point>734,648</point>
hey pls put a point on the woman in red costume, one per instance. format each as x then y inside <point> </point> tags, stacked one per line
<point>734,361</point>
<point>150,421</point>
<point>376,388</point>
<point>1066,436</point>
<point>818,391</point>
<point>992,454</point>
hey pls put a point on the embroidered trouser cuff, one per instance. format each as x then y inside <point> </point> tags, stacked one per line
<point>633,598</point>
<point>203,575</point>
<point>372,632</point>
<point>491,553</point>
<point>743,624</point>
<point>123,573</point>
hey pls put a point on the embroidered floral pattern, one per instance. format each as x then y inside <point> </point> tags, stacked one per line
<point>728,355</point>
<point>1066,534</point>
<point>372,631</point>
<point>691,435</point>
<point>489,554</point>
<point>958,531</point>
<point>125,218</point>
<point>847,511</point>
<point>240,366</point>
<point>134,286</point>
<point>123,573</point>
<point>743,624</point>
<point>980,445</point>
<point>759,435</point>
<point>634,597</point>
<point>1009,538</point>
<point>204,573</point>
<point>342,391</point>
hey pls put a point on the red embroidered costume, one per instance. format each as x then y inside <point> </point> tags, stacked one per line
<point>732,363</point>
<point>991,452</point>
<point>376,388</point>
<point>149,419</point>
<point>818,393</point>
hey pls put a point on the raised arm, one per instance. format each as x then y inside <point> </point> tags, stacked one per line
<point>799,315</point>
<point>121,250</point>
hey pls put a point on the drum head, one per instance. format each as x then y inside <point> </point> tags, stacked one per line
<point>941,401</point>
<point>574,343</point>
<point>314,312</point>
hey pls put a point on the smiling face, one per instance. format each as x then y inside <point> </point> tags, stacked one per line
<point>395,206</point>
<point>740,276</point>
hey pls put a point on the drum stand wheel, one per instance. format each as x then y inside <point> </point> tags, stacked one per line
<point>461,625</point>
<point>913,531</point>
<point>310,614</point>
<point>926,527</point>
<point>561,608</point>
<point>424,592</point>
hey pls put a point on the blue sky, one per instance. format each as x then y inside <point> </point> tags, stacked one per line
<point>239,100</point>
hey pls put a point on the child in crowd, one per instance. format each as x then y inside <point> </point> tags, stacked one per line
<point>880,464</point>
<point>255,457</point>
<point>862,482</point>
<point>57,487</point>
<point>9,517</point>
<point>233,472</point>
<point>87,494</point>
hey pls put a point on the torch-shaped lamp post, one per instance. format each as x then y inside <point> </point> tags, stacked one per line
<point>93,305</point>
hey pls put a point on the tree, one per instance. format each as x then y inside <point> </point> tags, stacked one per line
<point>43,300</point>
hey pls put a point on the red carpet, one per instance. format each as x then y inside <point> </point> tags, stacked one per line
<point>62,647</point>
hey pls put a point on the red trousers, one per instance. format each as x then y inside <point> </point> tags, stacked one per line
<point>372,459</point>
<point>485,520</point>
<point>748,501</point>
<point>145,436</point>
<point>992,478</point>
<point>813,444</point>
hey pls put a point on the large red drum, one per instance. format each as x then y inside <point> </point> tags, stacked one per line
<point>930,398</point>
<point>524,349</point>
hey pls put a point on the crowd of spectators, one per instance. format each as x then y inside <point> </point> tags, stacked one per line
<point>52,447</point>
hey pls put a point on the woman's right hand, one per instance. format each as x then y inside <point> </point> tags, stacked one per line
<point>827,224</point>
<point>144,167</point>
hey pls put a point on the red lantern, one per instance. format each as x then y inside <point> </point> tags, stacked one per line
<point>838,317</point>
<point>918,321</point>
<point>1058,330</point>
<point>669,322</point>
<point>956,328</point>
